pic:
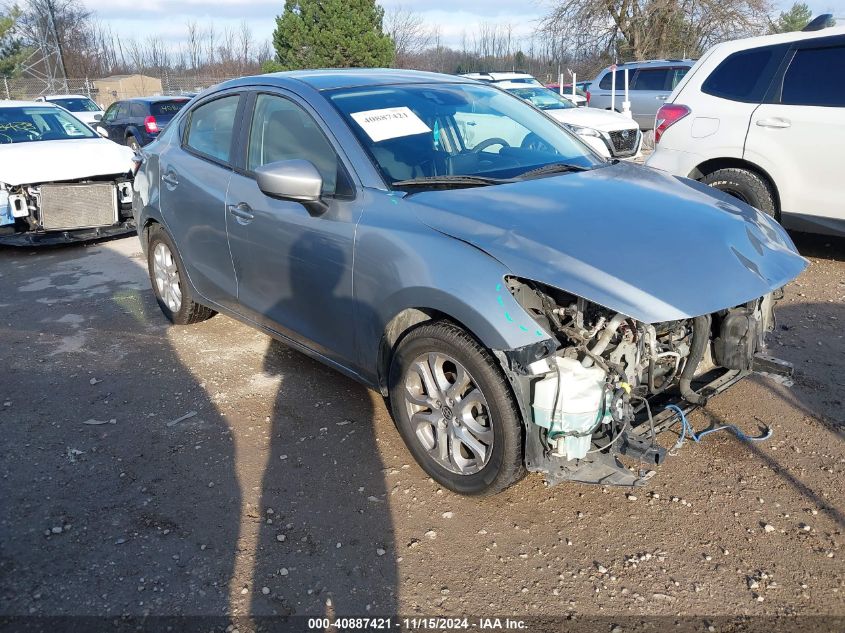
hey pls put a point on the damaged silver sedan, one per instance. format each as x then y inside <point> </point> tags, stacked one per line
<point>524,304</point>
<point>59,180</point>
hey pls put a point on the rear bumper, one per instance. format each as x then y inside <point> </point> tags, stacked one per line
<point>52,238</point>
<point>674,161</point>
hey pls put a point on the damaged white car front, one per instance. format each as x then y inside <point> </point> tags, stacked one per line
<point>59,180</point>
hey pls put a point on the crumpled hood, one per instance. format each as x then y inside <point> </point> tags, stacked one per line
<point>70,159</point>
<point>633,239</point>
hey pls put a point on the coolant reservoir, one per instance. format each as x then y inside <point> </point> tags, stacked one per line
<point>568,403</point>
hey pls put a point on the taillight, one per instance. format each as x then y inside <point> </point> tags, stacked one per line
<point>667,116</point>
<point>588,97</point>
<point>151,125</point>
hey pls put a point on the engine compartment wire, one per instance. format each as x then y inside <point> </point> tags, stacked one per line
<point>686,428</point>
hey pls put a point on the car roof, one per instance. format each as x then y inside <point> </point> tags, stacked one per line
<point>66,97</point>
<point>157,98</point>
<point>779,38</point>
<point>333,78</point>
<point>21,104</point>
<point>497,76</point>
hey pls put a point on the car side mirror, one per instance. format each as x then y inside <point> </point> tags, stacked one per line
<point>102,132</point>
<point>296,180</point>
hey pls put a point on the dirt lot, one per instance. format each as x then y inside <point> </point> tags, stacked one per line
<point>207,470</point>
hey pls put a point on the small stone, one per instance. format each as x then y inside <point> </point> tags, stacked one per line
<point>381,552</point>
<point>806,527</point>
<point>631,497</point>
<point>338,545</point>
<point>56,530</point>
<point>769,528</point>
<point>94,381</point>
<point>431,534</point>
<point>265,591</point>
<point>602,569</point>
<point>280,537</point>
<point>244,591</point>
<point>448,515</point>
<point>283,571</point>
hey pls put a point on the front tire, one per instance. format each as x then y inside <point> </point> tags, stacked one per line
<point>455,410</point>
<point>170,286</point>
<point>745,185</point>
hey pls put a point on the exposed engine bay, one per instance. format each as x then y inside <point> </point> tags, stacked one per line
<point>66,211</point>
<point>598,394</point>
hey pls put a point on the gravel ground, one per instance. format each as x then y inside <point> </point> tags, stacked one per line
<point>207,470</point>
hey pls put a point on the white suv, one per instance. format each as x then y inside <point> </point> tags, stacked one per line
<point>763,119</point>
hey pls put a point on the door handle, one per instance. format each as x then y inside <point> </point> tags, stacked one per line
<point>169,178</point>
<point>662,97</point>
<point>774,122</point>
<point>242,211</point>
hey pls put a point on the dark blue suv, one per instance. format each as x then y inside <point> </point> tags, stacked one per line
<point>136,122</point>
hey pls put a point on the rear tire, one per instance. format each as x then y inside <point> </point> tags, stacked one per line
<point>455,410</point>
<point>170,286</point>
<point>745,185</point>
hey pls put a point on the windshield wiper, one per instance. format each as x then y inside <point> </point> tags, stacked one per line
<point>449,181</point>
<point>553,168</point>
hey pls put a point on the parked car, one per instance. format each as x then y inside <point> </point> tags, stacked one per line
<point>611,134</point>
<point>581,98</point>
<point>137,122</point>
<point>517,302</point>
<point>497,77</point>
<point>763,119</point>
<point>59,181</point>
<point>649,84</point>
<point>82,107</point>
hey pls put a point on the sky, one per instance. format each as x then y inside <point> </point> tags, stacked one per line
<point>167,18</point>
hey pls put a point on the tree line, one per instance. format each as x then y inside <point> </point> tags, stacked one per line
<point>583,35</point>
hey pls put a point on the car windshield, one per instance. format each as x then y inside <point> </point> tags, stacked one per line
<point>77,104</point>
<point>455,131</point>
<point>26,124</point>
<point>167,109</point>
<point>542,98</point>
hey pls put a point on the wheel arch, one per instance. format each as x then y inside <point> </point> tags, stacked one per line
<point>715,164</point>
<point>398,327</point>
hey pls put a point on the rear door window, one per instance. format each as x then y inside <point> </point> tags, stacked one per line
<point>606,81</point>
<point>812,79</point>
<point>138,111</point>
<point>651,79</point>
<point>211,126</point>
<point>744,76</point>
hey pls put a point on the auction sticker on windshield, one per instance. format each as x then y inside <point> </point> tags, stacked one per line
<point>386,123</point>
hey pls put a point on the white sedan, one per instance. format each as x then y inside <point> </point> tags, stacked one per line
<point>611,134</point>
<point>59,180</point>
<point>79,106</point>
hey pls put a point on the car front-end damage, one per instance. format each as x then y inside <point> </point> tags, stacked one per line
<point>602,391</point>
<point>43,213</point>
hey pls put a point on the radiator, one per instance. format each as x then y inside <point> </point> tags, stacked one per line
<point>78,206</point>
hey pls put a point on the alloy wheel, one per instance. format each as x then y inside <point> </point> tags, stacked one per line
<point>166,276</point>
<point>449,414</point>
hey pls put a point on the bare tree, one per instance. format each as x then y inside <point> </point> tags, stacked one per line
<point>194,44</point>
<point>409,33</point>
<point>640,29</point>
<point>245,45</point>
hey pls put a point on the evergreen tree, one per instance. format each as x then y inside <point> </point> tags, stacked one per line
<point>795,19</point>
<point>331,34</point>
<point>12,51</point>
